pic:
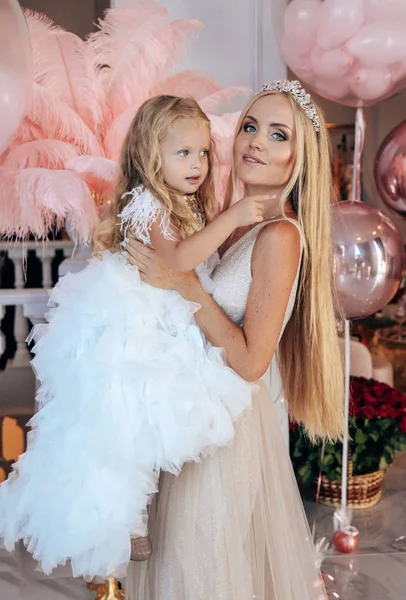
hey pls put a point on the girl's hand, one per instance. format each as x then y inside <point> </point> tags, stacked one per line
<point>249,210</point>
<point>154,271</point>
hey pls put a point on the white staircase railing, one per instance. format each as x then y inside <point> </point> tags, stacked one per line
<point>30,303</point>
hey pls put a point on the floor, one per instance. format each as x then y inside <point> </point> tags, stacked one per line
<point>377,571</point>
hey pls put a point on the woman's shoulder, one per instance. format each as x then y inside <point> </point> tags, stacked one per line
<point>280,239</point>
<point>281,231</point>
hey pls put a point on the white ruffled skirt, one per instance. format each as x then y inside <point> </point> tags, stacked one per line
<point>232,527</point>
<point>128,388</point>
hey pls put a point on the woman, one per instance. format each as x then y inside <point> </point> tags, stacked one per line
<point>233,526</point>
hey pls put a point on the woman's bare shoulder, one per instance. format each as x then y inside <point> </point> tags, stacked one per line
<point>280,238</point>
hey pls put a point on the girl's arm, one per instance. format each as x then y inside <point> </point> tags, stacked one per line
<point>187,254</point>
<point>275,261</point>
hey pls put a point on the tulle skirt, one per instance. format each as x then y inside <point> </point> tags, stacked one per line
<point>232,527</point>
<point>128,387</point>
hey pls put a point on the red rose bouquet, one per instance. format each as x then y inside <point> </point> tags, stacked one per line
<point>377,428</point>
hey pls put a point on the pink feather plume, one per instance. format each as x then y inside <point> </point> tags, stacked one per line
<point>100,174</point>
<point>84,97</point>
<point>49,154</point>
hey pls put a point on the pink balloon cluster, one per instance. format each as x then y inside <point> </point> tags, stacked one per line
<point>350,51</point>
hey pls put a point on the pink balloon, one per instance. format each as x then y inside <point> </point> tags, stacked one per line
<point>379,44</point>
<point>369,258</point>
<point>390,170</point>
<point>301,22</point>
<point>354,62</point>
<point>398,71</point>
<point>336,61</point>
<point>340,19</point>
<point>12,103</point>
<point>299,62</point>
<point>381,9</point>
<point>15,69</point>
<point>370,84</point>
<point>332,88</point>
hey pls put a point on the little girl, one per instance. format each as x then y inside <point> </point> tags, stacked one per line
<point>129,386</point>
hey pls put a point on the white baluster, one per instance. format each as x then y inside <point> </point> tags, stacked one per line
<point>46,258</point>
<point>22,355</point>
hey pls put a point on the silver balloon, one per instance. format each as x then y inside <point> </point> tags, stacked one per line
<point>369,258</point>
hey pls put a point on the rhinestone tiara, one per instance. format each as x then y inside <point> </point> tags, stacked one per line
<point>298,94</point>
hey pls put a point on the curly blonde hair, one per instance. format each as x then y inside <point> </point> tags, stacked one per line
<point>141,164</point>
<point>309,356</point>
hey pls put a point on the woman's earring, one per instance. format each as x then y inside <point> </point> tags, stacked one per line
<point>124,242</point>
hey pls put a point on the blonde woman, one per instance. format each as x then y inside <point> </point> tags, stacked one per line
<point>233,527</point>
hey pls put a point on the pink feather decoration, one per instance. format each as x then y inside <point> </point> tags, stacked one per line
<point>219,99</point>
<point>187,83</point>
<point>47,197</point>
<point>9,209</point>
<point>60,121</point>
<point>62,66</point>
<point>117,130</point>
<point>223,131</point>
<point>49,154</point>
<point>84,97</point>
<point>139,37</point>
<point>100,174</point>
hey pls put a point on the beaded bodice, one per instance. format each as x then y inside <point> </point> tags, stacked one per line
<point>232,277</point>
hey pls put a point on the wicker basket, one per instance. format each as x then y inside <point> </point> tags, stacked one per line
<point>364,491</point>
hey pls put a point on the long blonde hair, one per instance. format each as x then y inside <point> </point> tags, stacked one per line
<point>141,164</point>
<point>309,356</point>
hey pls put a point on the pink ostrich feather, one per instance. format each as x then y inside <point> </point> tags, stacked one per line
<point>62,65</point>
<point>47,197</point>
<point>100,174</point>
<point>117,130</point>
<point>50,154</point>
<point>9,209</point>
<point>84,97</point>
<point>219,99</point>
<point>223,131</point>
<point>186,83</point>
<point>60,121</point>
<point>137,38</point>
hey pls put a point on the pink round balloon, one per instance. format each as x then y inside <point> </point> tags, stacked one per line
<point>398,71</point>
<point>390,170</point>
<point>379,43</point>
<point>369,258</point>
<point>336,61</point>
<point>358,58</point>
<point>15,69</point>
<point>368,84</point>
<point>380,9</point>
<point>333,87</point>
<point>12,103</point>
<point>301,22</point>
<point>298,62</point>
<point>339,20</point>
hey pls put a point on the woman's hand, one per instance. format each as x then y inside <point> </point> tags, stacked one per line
<point>154,271</point>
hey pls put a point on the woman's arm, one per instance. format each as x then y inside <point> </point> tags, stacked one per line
<point>275,262</point>
<point>250,349</point>
<point>187,254</point>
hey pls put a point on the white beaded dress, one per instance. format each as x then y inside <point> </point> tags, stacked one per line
<point>233,527</point>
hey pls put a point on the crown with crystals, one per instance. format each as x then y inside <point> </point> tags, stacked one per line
<point>298,94</point>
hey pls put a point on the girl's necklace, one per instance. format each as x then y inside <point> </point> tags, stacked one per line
<point>196,209</point>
